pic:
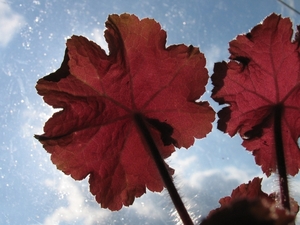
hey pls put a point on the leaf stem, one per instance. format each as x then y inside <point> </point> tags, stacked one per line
<point>283,181</point>
<point>164,173</point>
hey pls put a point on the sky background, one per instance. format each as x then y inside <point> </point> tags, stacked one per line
<point>32,43</point>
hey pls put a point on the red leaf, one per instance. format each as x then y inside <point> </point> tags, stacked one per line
<point>250,212</point>
<point>250,191</point>
<point>248,200</point>
<point>263,73</point>
<point>95,132</point>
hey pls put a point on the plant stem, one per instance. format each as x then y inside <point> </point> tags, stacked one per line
<point>164,173</point>
<point>283,181</point>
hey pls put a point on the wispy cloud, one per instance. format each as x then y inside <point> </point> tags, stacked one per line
<point>98,37</point>
<point>10,23</point>
<point>202,187</point>
<point>201,191</point>
<point>77,210</point>
<point>77,206</point>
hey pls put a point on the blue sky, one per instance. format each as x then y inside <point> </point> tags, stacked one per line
<point>32,43</point>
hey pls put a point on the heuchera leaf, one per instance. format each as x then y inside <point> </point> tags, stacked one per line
<point>251,191</point>
<point>263,73</point>
<point>248,204</point>
<point>250,212</point>
<point>95,133</point>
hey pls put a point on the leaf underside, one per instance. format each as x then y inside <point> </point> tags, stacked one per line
<point>262,75</point>
<point>95,133</point>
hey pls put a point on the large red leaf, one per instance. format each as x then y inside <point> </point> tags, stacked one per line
<point>95,133</point>
<point>263,74</point>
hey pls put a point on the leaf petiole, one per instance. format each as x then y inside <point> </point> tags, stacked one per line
<point>164,173</point>
<point>283,181</point>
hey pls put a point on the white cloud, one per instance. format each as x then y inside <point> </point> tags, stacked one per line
<point>98,37</point>
<point>190,169</point>
<point>191,172</point>
<point>10,23</point>
<point>77,210</point>
<point>201,189</point>
<point>156,207</point>
<point>147,208</point>
<point>214,54</point>
<point>76,206</point>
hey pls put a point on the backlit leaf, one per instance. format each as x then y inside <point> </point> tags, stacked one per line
<point>95,134</point>
<point>262,76</point>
